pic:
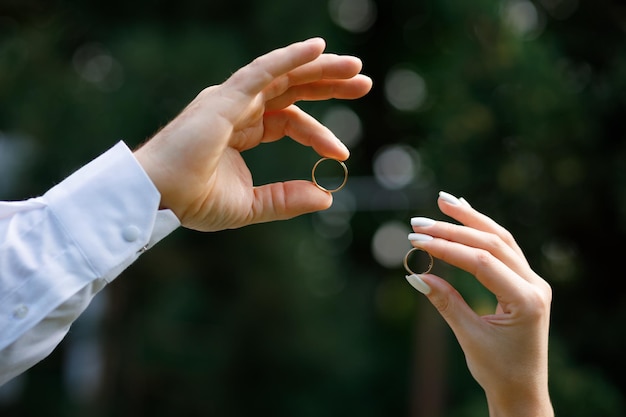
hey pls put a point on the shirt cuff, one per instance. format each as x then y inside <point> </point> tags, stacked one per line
<point>84,231</point>
<point>109,208</point>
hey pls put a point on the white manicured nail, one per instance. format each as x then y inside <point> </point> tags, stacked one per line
<point>419,237</point>
<point>419,284</point>
<point>464,201</point>
<point>449,198</point>
<point>422,222</point>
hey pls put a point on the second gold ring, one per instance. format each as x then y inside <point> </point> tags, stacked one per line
<point>406,261</point>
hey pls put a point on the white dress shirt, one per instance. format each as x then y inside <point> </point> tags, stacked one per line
<point>59,250</point>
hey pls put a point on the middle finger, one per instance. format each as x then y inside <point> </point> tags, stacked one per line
<point>299,126</point>
<point>352,88</point>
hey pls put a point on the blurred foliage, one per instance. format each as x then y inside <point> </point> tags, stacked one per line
<point>522,116</point>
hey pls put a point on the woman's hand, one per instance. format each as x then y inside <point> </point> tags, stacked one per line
<point>507,351</point>
<point>195,160</point>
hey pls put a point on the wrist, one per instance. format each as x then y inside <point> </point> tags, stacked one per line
<point>534,404</point>
<point>154,170</point>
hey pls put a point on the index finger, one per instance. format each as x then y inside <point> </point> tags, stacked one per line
<point>258,74</point>
<point>304,129</point>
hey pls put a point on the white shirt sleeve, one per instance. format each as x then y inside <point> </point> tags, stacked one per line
<point>59,250</point>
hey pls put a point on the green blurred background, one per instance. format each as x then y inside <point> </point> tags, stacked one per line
<point>517,106</point>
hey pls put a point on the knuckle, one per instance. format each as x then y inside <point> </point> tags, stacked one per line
<point>507,237</point>
<point>446,302</point>
<point>537,301</point>
<point>546,290</point>
<point>442,304</point>
<point>499,244</point>
<point>495,243</point>
<point>484,259</point>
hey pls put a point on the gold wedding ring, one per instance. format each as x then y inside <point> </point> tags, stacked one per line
<point>345,175</point>
<point>406,262</point>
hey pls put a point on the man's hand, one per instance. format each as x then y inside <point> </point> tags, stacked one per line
<point>195,160</point>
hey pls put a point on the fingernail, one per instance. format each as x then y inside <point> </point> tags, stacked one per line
<point>449,198</point>
<point>422,222</point>
<point>464,201</point>
<point>417,283</point>
<point>419,237</point>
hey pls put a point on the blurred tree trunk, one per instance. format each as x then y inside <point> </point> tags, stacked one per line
<point>429,387</point>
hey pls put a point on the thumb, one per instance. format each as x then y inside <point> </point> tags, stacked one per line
<point>284,200</point>
<point>447,300</point>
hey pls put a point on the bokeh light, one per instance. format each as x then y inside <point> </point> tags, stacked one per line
<point>396,166</point>
<point>353,15</point>
<point>344,123</point>
<point>405,89</point>
<point>560,258</point>
<point>97,66</point>
<point>523,18</point>
<point>390,244</point>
